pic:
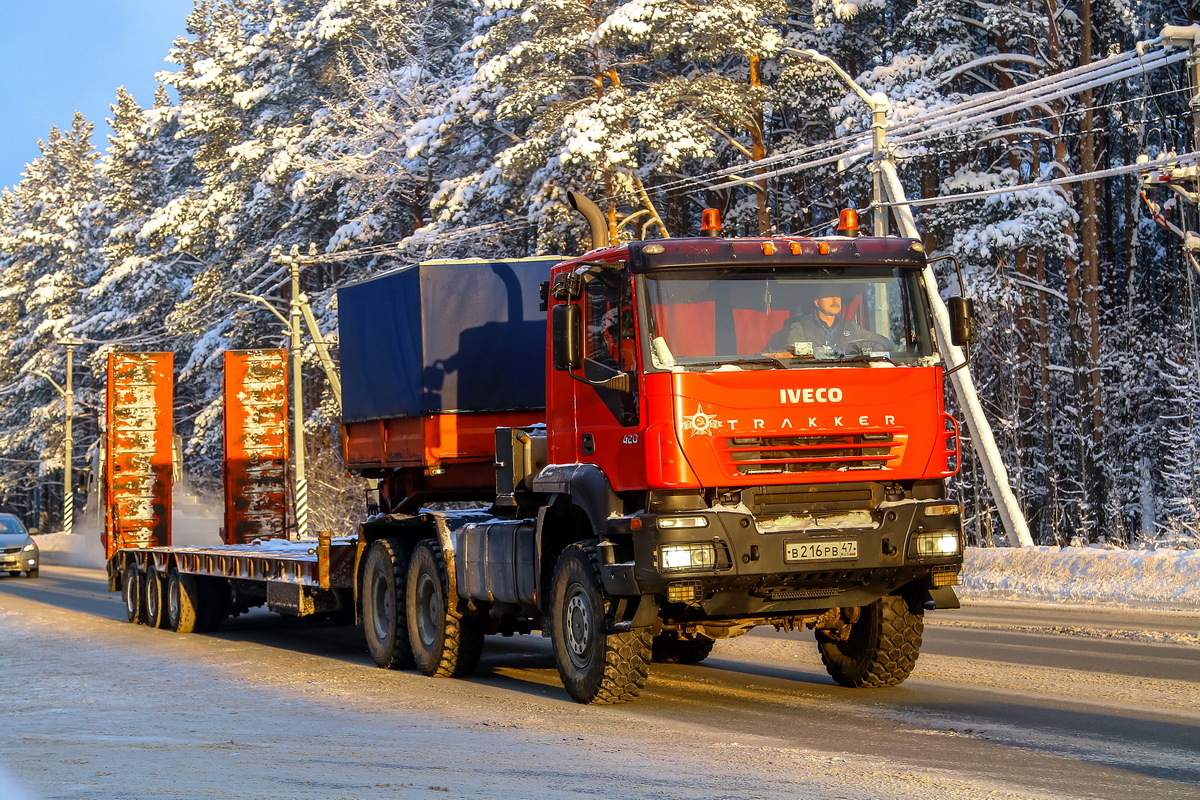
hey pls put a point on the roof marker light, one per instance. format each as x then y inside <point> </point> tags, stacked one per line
<point>796,248</point>
<point>823,248</point>
<point>768,248</point>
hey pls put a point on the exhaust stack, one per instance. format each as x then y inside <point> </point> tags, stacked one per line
<point>594,216</point>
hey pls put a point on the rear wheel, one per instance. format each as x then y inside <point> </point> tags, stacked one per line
<point>385,572</point>
<point>595,666</point>
<point>881,648</point>
<point>183,599</point>
<point>672,649</point>
<point>446,636</point>
<point>131,594</point>
<point>156,607</point>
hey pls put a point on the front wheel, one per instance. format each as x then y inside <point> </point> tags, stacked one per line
<point>33,573</point>
<point>385,571</point>
<point>881,648</point>
<point>595,666</point>
<point>446,637</point>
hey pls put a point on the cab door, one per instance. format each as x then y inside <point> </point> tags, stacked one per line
<point>607,408</point>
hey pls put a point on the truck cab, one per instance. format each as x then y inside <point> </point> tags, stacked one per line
<point>736,432</point>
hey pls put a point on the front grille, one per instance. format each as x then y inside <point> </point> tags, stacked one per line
<point>8,550</point>
<point>842,452</point>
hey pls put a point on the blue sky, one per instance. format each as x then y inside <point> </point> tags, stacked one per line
<point>62,56</point>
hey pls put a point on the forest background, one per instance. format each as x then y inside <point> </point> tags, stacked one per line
<point>388,132</point>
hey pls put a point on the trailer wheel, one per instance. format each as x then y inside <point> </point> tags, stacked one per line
<point>183,599</point>
<point>131,594</point>
<point>155,594</point>
<point>385,571</point>
<point>447,638</point>
<point>882,647</point>
<point>669,648</point>
<point>595,666</point>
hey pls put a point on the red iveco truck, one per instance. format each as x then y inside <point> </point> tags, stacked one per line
<point>657,449</point>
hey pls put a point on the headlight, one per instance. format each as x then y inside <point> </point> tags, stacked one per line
<point>937,543</point>
<point>30,546</point>
<point>699,557</point>
<point>683,522</point>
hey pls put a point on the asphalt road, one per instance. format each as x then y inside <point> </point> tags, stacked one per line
<point>1008,701</point>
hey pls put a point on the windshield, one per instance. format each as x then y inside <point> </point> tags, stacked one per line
<point>787,317</point>
<point>10,524</point>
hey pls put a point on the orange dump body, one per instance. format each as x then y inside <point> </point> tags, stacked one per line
<point>138,451</point>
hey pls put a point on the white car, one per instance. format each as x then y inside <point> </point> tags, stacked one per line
<point>18,551</point>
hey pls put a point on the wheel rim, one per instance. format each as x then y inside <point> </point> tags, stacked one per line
<point>173,601</point>
<point>130,594</point>
<point>427,611</point>
<point>578,625</point>
<point>152,595</point>
<point>383,606</point>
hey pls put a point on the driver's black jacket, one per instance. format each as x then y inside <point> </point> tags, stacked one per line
<point>843,332</point>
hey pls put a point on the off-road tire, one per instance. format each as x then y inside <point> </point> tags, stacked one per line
<point>384,620</point>
<point>882,648</point>
<point>671,649</point>
<point>595,666</point>
<point>155,593</point>
<point>183,602</point>
<point>446,637</point>
<point>131,594</point>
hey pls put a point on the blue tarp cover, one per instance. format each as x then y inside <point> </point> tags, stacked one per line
<point>444,337</point>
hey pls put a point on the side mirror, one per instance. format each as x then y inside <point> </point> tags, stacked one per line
<point>565,344</point>
<point>962,321</point>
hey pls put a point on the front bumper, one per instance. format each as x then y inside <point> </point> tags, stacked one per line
<point>751,569</point>
<point>19,562</point>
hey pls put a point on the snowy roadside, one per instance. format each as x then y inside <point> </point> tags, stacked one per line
<point>1147,579</point>
<point>1134,579</point>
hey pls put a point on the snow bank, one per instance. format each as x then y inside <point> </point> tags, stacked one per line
<point>1155,579</point>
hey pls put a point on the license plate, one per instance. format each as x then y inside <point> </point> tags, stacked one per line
<point>824,550</point>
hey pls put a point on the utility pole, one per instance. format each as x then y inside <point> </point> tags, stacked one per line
<point>1183,180</point>
<point>299,314</point>
<point>880,106</point>
<point>295,320</point>
<point>889,192</point>
<point>68,396</point>
<point>69,444</point>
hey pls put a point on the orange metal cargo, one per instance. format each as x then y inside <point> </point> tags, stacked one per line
<point>256,445</point>
<point>138,450</point>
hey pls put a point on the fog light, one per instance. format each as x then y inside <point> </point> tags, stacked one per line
<point>701,556</point>
<point>945,576</point>
<point>683,591</point>
<point>682,522</point>
<point>937,543</point>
